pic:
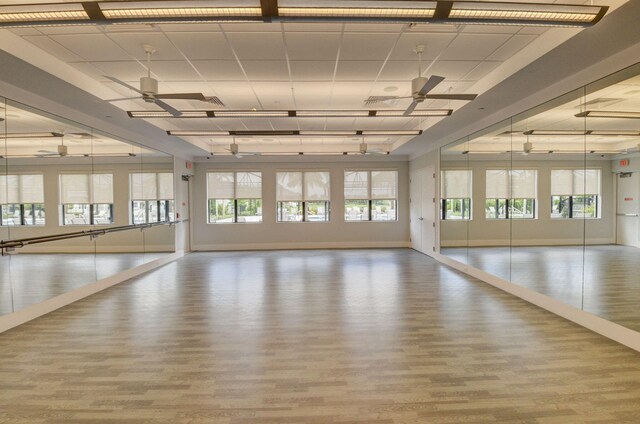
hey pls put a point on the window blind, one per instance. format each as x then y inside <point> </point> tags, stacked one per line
<point>86,188</point>
<point>220,185</point>
<point>289,187</point>
<point>384,184</point>
<point>575,182</point>
<point>455,184</point>
<point>21,188</point>
<point>317,186</point>
<point>356,185</point>
<point>248,185</point>
<point>497,184</point>
<point>511,184</point>
<point>151,186</point>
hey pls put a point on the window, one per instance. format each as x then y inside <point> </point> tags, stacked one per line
<point>151,197</point>
<point>370,195</point>
<point>303,196</point>
<point>22,199</point>
<point>511,194</point>
<point>234,197</point>
<point>455,194</point>
<point>575,193</point>
<point>86,199</point>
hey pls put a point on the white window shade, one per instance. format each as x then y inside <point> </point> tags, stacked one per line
<point>75,188</point>
<point>102,188</point>
<point>317,186</point>
<point>143,186</point>
<point>586,182</point>
<point>384,184</point>
<point>497,184</point>
<point>356,185</point>
<point>220,185</point>
<point>165,186</point>
<point>248,185</point>
<point>21,188</point>
<point>524,184</point>
<point>289,186</point>
<point>575,182</point>
<point>456,184</point>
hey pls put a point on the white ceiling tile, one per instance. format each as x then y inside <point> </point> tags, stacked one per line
<point>451,70</point>
<point>25,31</point>
<point>312,70</point>
<point>481,70</point>
<point>361,46</point>
<point>361,70</point>
<point>312,46</point>
<point>133,43</point>
<point>350,95</point>
<point>312,95</point>
<point>52,47</point>
<point>219,70</point>
<point>473,47</point>
<point>434,44</point>
<point>511,47</point>
<point>174,70</point>
<point>316,27</point>
<point>92,47</point>
<point>189,27</point>
<point>89,70</point>
<point>202,45</point>
<point>237,95</point>
<point>80,29</point>
<point>400,70</point>
<point>257,46</point>
<point>372,28</point>
<point>266,70</point>
<point>124,70</point>
<point>251,27</point>
<point>274,95</point>
<point>491,29</point>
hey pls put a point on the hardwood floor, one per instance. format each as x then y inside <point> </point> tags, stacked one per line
<point>603,280</point>
<point>345,336</point>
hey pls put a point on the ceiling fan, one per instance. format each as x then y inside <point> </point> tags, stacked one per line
<point>420,88</point>
<point>149,90</point>
<point>235,151</point>
<point>61,152</point>
<point>364,150</point>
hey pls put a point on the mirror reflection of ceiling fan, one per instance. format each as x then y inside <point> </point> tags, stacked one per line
<point>364,150</point>
<point>149,90</point>
<point>235,151</point>
<point>420,89</point>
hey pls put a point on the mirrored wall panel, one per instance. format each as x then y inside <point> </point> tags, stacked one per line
<point>77,206</point>
<point>550,199</point>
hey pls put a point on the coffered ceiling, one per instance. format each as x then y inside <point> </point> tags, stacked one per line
<point>295,66</point>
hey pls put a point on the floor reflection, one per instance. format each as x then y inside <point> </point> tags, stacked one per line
<point>609,274</point>
<point>27,279</point>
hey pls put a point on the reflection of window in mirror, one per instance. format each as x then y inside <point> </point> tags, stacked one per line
<point>22,200</point>
<point>575,193</point>
<point>455,192</point>
<point>86,199</point>
<point>511,194</point>
<point>151,197</point>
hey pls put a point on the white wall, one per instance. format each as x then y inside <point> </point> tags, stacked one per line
<point>157,239</point>
<point>272,235</point>
<point>541,231</point>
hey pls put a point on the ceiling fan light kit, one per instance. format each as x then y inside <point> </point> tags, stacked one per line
<point>195,11</point>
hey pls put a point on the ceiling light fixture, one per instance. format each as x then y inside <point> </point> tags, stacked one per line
<point>194,11</point>
<point>608,114</point>
<point>31,135</point>
<point>144,114</point>
<point>613,133</point>
<point>297,133</point>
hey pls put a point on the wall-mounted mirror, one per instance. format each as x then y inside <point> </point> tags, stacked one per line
<point>79,206</point>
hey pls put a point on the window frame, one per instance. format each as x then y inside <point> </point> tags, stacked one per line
<point>443,200</point>
<point>167,210</point>
<point>597,197</point>
<point>369,201</point>
<point>303,203</point>
<point>233,200</point>
<point>508,208</point>
<point>92,210</point>
<point>22,216</point>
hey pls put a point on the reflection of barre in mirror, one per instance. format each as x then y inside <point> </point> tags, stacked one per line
<point>549,200</point>
<point>78,206</point>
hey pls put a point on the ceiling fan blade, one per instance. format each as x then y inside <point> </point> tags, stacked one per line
<point>410,109</point>
<point>431,83</point>
<point>451,96</point>
<point>121,99</point>
<point>48,152</point>
<point>124,84</point>
<point>175,112</point>
<point>182,96</point>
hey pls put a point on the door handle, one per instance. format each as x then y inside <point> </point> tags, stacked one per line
<point>421,219</point>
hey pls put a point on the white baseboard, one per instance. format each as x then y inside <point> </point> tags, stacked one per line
<point>526,242</point>
<point>34,311</point>
<point>295,246</point>
<point>613,331</point>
